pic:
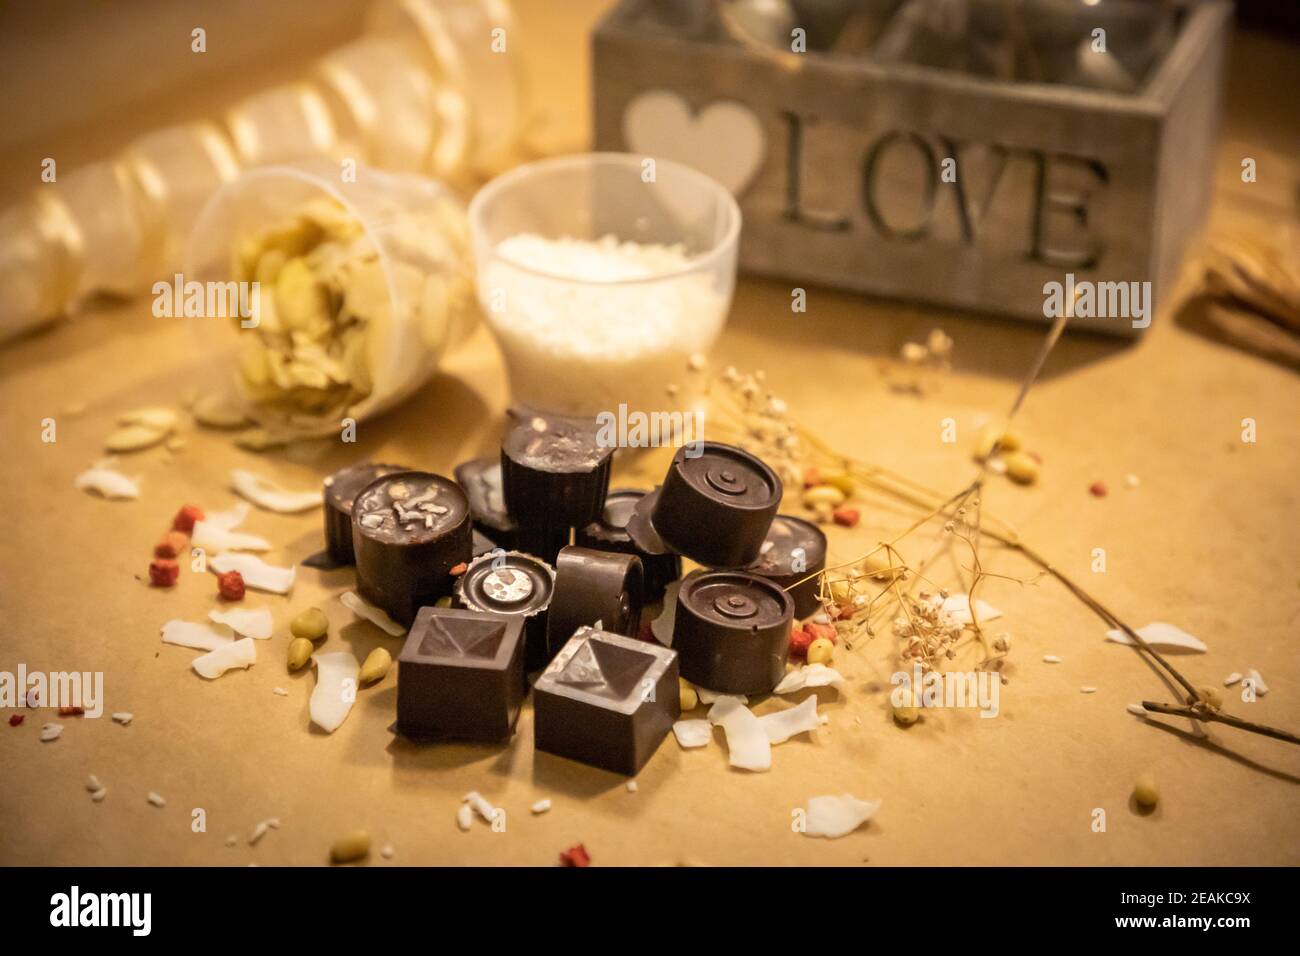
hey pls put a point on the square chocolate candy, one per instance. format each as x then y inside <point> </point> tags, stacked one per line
<point>606,700</point>
<point>461,675</point>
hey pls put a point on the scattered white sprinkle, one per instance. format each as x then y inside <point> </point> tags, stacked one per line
<point>1137,710</point>
<point>281,692</point>
<point>1260,687</point>
<point>479,803</point>
<point>631,786</point>
<point>259,831</point>
<point>123,717</point>
<point>1087,689</point>
<point>1051,659</point>
<point>541,806</point>
<point>51,732</point>
<point>1232,678</point>
<point>464,817</point>
<point>387,851</point>
<point>93,784</point>
<point>824,718</point>
<point>1132,480</point>
<point>99,795</point>
<point>697,362</point>
<point>156,799</point>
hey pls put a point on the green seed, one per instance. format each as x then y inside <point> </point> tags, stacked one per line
<point>300,650</point>
<point>311,624</point>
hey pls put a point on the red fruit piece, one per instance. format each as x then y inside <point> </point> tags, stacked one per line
<point>1098,489</point>
<point>847,517</point>
<point>231,586</point>
<point>576,856</point>
<point>821,630</point>
<point>811,476</point>
<point>459,569</point>
<point>799,641</point>
<point>163,573</point>
<point>16,719</point>
<point>185,518</point>
<point>172,544</point>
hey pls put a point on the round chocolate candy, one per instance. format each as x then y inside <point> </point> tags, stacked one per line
<point>610,533</point>
<point>554,472</point>
<point>481,479</point>
<point>732,631</point>
<point>592,586</point>
<point>409,529</point>
<point>511,582</point>
<point>794,550</point>
<point>341,489</point>
<point>715,506</point>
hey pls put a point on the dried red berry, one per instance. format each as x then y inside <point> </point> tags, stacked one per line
<point>1098,489</point>
<point>16,719</point>
<point>71,711</point>
<point>172,544</point>
<point>185,518</point>
<point>847,517</point>
<point>459,569</point>
<point>576,856</point>
<point>163,573</point>
<point>811,476</point>
<point>821,630</point>
<point>799,641</point>
<point>231,586</point>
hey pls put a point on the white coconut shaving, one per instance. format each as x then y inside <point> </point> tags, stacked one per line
<point>51,732</point>
<point>255,572</point>
<point>201,636</point>
<point>810,675</point>
<point>1260,687</point>
<point>707,696</point>
<point>693,733</point>
<point>259,831</point>
<point>386,851</point>
<point>208,536</point>
<point>958,607</point>
<point>247,622</point>
<point>747,745</point>
<point>336,689</point>
<point>834,817</point>
<point>1051,659</point>
<point>784,724</point>
<point>156,799</point>
<point>123,717</point>
<point>632,786</point>
<point>231,518</point>
<point>1160,634</point>
<point>106,481</point>
<point>1087,689</point>
<point>241,653</point>
<point>1233,678</point>
<point>364,609</point>
<point>479,804</point>
<point>280,692</point>
<point>464,816</point>
<point>541,806</point>
<point>267,494</point>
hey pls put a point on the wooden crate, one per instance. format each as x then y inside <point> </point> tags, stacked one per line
<point>838,163</point>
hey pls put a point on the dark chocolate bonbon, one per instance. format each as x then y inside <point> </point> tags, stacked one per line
<point>409,529</point>
<point>594,586</point>
<point>791,558</point>
<point>461,675</point>
<point>340,491</point>
<point>513,583</point>
<point>554,472</point>
<point>606,700</point>
<point>715,506</point>
<point>609,533</point>
<point>732,631</point>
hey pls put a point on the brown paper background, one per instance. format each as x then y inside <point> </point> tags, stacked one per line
<point>1208,542</point>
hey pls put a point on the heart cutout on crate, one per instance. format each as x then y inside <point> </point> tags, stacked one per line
<point>724,140</point>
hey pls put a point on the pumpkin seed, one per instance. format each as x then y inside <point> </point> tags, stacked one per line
<point>300,651</point>
<point>1145,791</point>
<point>1021,468</point>
<point>690,699</point>
<point>376,666</point>
<point>823,495</point>
<point>351,847</point>
<point>311,624</point>
<point>134,438</point>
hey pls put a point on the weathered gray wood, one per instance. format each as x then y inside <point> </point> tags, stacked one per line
<point>1105,186</point>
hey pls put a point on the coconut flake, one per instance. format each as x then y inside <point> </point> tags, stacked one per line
<point>810,675</point>
<point>1087,689</point>
<point>51,732</point>
<point>99,795</point>
<point>1160,634</point>
<point>1260,687</point>
<point>693,733</point>
<point>386,851</point>
<point>267,494</point>
<point>784,724</point>
<point>1136,710</point>
<point>280,692</point>
<point>1051,659</point>
<point>336,689</point>
<point>211,538</point>
<point>93,784</point>
<point>107,482</point>
<point>199,636</point>
<point>747,744</point>
<point>367,611</point>
<point>156,799</point>
<point>834,817</point>
<point>541,806</point>
<point>958,606</point>
<point>479,804</point>
<point>231,518</point>
<point>631,786</point>
<point>1233,678</point>
<point>123,717</point>
<point>707,696</point>
<point>248,622</point>
<point>259,831</point>
<point>255,572</point>
<point>241,653</point>
<point>464,816</point>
